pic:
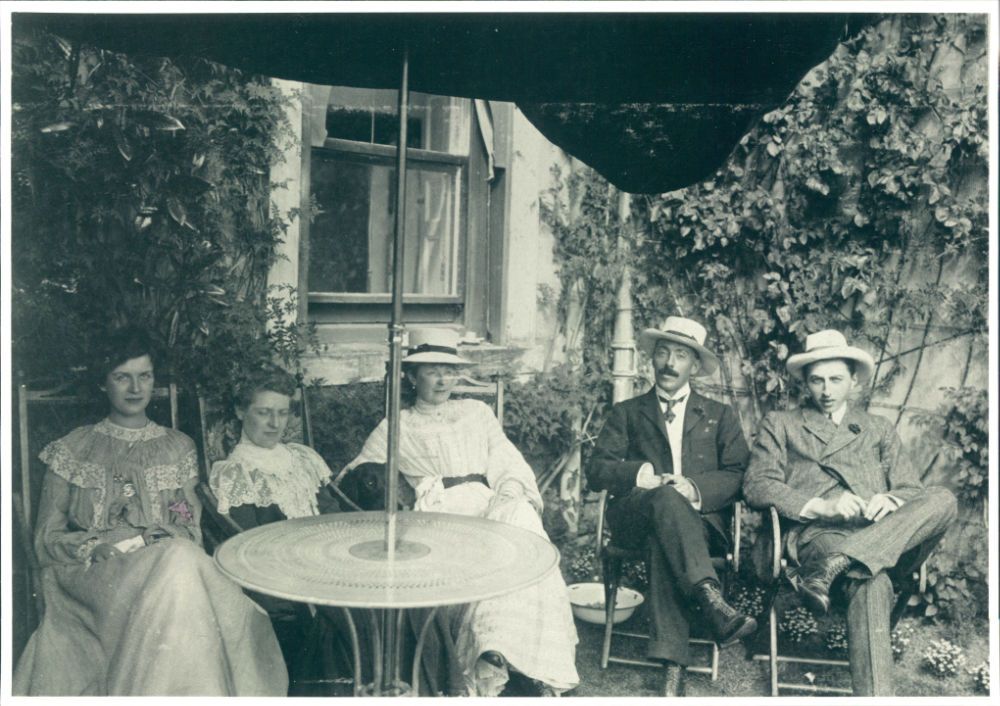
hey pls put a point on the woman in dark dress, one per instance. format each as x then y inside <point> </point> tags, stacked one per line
<point>265,480</point>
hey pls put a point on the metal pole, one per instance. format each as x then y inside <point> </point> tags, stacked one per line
<point>390,636</point>
<point>396,325</point>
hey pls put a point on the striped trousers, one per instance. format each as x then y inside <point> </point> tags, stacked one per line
<point>889,549</point>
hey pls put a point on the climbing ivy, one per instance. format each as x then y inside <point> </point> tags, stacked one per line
<point>141,194</point>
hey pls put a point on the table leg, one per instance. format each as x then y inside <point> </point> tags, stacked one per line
<point>418,652</point>
<point>355,651</point>
<point>376,655</point>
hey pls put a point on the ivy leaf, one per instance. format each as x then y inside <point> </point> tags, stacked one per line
<point>124,148</point>
<point>157,121</point>
<point>860,220</point>
<point>773,149</point>
<point>818,186</point>
<point>61,126</point>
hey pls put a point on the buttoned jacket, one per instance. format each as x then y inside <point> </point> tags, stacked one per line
<point>801,454</point>
<point>714,452</point>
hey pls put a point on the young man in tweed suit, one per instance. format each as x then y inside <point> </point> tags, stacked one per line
<point>853,504</point>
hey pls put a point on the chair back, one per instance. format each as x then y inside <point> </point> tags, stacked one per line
<point>220,429</point>
<point>59,401</point>
<point>490,391</point>
<point>219,434</point>
<point>49,414</point>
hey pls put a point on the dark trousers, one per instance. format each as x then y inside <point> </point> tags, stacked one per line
<point>678,541</point>
<point>892,548</point>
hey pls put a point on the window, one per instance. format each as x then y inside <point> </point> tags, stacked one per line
<point>353,184</point>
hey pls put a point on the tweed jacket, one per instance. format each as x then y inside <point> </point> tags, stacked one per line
<point>801,454</point>
<point>714,453</point>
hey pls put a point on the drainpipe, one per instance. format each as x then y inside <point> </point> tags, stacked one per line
<point>623,343</point>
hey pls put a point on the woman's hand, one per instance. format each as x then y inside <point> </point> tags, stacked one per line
<point>103,551</point>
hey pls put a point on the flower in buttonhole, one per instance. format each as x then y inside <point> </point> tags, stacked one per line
<point>181,509</point>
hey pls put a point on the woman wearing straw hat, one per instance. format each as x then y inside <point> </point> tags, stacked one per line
<point>854,502</point>
<point>457,459</point>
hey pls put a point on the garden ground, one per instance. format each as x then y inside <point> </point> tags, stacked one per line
<point>741,676</point>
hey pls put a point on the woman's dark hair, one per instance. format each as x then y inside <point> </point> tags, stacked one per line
<point>271,379</point>
<point>120,346</point>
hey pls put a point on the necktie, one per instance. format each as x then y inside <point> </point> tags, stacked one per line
<point>668,414</point>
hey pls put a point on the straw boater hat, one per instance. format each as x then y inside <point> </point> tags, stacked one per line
<point>830,345</point>
<point>681,330</point>
<point>434,345</point>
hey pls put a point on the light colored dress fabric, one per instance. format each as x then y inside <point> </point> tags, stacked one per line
<point>288,475</point>
<point>533,628</point>
<point>159,620</point>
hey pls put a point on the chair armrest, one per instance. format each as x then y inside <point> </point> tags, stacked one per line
<point>211,504</point>
<point>602,506</point>
<point>775,543</point>
<point>737,533</point>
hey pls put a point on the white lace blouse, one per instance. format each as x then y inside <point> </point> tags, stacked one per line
<point>289,475</point>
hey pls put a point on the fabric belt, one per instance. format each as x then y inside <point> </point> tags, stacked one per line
<point>452,481</point>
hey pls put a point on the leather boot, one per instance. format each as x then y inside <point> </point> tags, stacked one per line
<point>728,624</point>
<point>673,679</point>
<point>815,580</point>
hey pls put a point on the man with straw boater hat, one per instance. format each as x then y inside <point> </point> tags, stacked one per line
<point>852,502</point>
<point>673,461</point>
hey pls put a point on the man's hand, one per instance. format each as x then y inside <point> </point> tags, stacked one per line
<point>682,485</point>
<point>845,507</point>
<point>879,506</point>
<point>103,551</point>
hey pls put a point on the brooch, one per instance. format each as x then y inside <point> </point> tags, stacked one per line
<point>854,428</point>
<point>128,490</point>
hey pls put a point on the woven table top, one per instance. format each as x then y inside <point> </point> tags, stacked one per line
<point>339,560</point>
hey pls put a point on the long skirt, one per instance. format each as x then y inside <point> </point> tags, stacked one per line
<point>532,628</point>
<point>160,621</point>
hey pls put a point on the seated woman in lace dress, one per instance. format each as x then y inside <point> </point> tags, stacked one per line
<point>266,480</point>
<point>455,455</point>
<point>133,605</point>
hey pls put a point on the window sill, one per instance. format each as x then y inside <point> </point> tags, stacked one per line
<point>380,299</point>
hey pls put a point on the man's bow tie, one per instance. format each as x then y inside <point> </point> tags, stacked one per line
<point>670,402</point>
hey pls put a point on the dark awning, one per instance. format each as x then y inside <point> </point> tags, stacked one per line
<point>653,101</point>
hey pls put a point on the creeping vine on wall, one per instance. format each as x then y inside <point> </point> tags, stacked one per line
<point>141,194</point>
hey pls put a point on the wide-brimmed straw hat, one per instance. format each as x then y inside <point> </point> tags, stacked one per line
<point>685,331</point>
<point>434,345</point>
<point>830,345</point>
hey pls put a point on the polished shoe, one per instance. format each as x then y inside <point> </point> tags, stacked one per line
<point>673,684</point>
<point>728,624</point>
<point>815,580</point>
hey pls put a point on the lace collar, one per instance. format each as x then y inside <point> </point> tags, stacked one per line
<point>273,461</point>
<point>152,430</point>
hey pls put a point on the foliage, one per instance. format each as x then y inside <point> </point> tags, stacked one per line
<point>873,170</point>
<point>981,677</point>
<point>943,659</point>
<point>749,599</point>
<point>342,418</point>
<point>836,637</point>
<point>542,413</point>
<point>798,624</point>
<point>956,580</point>
<point>140,195</point>
<point>901,637</point>
<point>965,420</point>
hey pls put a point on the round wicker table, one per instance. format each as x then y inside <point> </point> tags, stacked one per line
<point>341,560</point>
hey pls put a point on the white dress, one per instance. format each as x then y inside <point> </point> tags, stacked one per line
<point>532,628</point>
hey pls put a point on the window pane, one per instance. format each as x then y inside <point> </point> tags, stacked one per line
<point>350,240</point>
<point>438,123</point>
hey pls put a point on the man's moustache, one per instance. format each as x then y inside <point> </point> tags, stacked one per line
<point>667,371</point>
